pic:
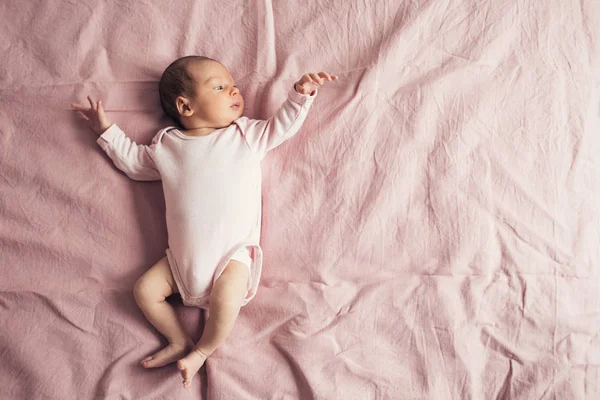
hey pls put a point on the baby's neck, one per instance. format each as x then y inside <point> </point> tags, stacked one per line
<point>198,131</point>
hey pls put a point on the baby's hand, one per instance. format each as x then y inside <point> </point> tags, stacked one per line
<point>311,81</point>
<point>95,115</point>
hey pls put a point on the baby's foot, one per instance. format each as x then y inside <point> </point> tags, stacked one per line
<point>169,354</point>
<point>189,365</point>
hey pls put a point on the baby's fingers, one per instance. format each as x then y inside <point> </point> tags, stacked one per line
<point>316,78</point>
<point>100,109</point>
<point>92,103</point>
<point>83,110</point>
<point>305,79</point>
<point>79,107</point>
<point>327,77</point>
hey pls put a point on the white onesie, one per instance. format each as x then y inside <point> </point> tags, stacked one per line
<point>212,187</point>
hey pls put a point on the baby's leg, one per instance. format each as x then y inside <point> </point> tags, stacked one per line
<point>150,292</point>
<point>225,300</point>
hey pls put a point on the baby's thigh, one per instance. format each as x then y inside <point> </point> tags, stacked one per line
<point>157,281</point>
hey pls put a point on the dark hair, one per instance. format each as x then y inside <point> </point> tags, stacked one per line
<point>177,81</point>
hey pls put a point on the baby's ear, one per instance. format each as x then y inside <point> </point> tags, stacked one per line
<point>183,106</point>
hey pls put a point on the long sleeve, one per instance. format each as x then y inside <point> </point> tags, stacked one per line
<point>133,159</point>
<point>263,136</point>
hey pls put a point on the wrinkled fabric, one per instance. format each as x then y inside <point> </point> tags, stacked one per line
<point>430,233</point>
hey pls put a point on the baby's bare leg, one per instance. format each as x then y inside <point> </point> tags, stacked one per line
<point>150,292</point>
<point>225,301</point>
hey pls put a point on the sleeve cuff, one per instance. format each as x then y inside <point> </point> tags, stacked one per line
<point>301,99</point>
<point>108,136</point>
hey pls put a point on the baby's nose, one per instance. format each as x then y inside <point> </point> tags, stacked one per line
<point>235,91</point>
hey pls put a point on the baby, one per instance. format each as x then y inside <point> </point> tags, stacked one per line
<point>210,171</point>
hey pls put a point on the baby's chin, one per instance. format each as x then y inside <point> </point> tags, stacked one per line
<point>238,113</point>
<point>228,122</point>
<point>225,122</point>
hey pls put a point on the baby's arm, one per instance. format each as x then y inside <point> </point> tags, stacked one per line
<point>133,159</point>
<point>263,136</point>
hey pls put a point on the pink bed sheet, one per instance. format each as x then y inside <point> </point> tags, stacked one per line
<point>431,233</point>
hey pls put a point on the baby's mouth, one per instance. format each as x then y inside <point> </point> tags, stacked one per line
<point>235,106</point>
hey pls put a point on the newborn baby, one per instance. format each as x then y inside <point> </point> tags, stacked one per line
<point>210,171</point>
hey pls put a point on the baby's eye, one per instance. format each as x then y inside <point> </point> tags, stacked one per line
<point>220,87</point>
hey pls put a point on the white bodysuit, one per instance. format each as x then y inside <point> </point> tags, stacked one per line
<point>212,187</point>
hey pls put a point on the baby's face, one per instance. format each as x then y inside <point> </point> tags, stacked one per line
<point>217,100</point>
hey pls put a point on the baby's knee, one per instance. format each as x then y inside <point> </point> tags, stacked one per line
<point>140,289</point>
<point>144,289</point>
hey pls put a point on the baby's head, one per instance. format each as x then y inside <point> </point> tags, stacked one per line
<point>199,92</point>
